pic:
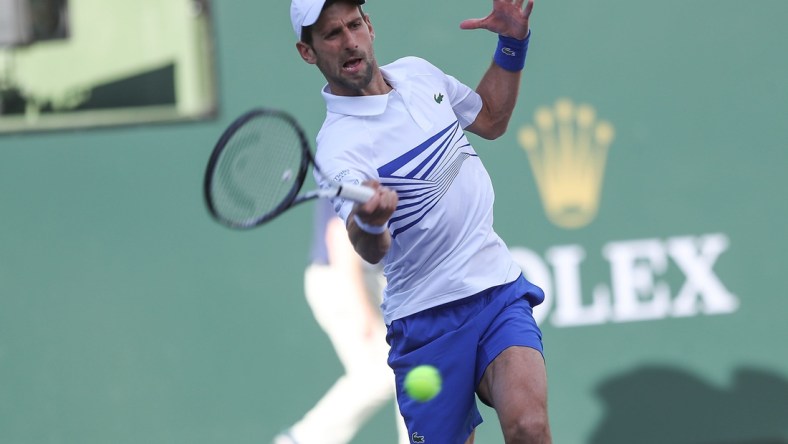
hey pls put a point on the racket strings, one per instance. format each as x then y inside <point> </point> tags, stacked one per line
<point>257,170</point>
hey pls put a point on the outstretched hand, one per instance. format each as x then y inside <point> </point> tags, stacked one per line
<point>507,18</point>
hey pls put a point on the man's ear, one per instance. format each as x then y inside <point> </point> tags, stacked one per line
<point>306,52</point>
<point>369,25</point>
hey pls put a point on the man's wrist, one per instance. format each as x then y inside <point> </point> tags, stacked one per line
<point>511,52</point>
<point>368,228</point>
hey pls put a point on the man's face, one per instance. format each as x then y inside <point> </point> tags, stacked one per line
<point>342,49</point>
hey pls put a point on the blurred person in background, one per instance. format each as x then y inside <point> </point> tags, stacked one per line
<point>343,293</point>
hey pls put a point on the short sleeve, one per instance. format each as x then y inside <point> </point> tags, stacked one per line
<point>466,102</point>
<point>342,164</point>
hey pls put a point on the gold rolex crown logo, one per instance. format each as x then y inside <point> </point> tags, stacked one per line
<point>567,148</point>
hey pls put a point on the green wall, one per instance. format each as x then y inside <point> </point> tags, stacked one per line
<point>128,316</point>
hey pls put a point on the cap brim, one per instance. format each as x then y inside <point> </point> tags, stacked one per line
<point>313,14</point>
<point>311,17</point>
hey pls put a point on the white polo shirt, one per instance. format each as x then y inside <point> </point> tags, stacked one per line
<point>443,246</point>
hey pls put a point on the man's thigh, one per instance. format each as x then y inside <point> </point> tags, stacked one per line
<point>516,381</point>
<point>515,385</point>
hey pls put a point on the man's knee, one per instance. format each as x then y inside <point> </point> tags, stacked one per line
<point>528,429</point>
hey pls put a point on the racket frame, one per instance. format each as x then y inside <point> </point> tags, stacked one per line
<point>290,198</point>
<point>357,193</point>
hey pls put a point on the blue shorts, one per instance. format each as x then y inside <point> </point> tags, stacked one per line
<point>460,339</point>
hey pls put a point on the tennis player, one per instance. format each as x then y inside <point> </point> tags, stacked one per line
<point>343,293</point>
<point>455,298</point>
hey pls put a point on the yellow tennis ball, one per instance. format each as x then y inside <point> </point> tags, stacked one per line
<point>423,382</point>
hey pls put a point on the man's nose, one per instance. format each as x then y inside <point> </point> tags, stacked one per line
<point>350,40</point>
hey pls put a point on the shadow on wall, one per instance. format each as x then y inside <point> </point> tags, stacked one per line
<point>661,405</point>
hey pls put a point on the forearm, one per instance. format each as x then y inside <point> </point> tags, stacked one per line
<point>498,89</point>
<point>367,223</point>
<point>371,247</point>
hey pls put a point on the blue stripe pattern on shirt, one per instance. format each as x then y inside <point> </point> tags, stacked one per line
<point>421,187</point>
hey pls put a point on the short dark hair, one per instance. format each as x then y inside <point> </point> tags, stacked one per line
<point>306,31</point>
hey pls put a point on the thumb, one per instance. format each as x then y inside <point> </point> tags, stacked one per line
<point>471,24</point>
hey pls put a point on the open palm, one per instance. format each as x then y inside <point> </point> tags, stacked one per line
<point>507,18</point>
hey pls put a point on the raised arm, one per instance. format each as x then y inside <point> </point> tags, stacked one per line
<point>500,85</point>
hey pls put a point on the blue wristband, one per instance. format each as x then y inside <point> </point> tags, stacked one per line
<point>510,54</point>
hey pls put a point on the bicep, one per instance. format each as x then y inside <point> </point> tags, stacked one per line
<point>466,103</point>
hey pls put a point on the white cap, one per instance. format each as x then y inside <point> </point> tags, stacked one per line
<point>305,13</point>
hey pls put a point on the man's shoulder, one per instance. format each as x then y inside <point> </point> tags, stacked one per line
<point>333,135</point>
<point>409,61</point>
<point>333,127</point>
<point>411,65</point>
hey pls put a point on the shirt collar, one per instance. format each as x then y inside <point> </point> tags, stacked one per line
<point>361,106</point>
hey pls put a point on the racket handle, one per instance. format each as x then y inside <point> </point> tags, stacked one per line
<point>356,193</point>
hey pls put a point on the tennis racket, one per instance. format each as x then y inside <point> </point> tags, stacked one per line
<point>258,167</point>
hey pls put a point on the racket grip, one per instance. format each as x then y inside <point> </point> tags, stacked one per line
<point>356,193</point>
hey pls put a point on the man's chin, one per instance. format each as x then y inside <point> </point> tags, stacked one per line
<point>357,84</point>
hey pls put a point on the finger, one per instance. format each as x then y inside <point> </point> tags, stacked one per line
<point>389,203</point>
<point>471,24</point>
<point>374,184</point>
<point>529,7</point>
<point>385,198</point>
<point>519,3</point>
<point>368,207</point>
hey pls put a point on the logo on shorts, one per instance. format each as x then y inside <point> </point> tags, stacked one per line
<point>416,438</point>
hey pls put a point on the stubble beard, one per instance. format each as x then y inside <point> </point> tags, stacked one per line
<point>355,84</point>
<point>359,83</point>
